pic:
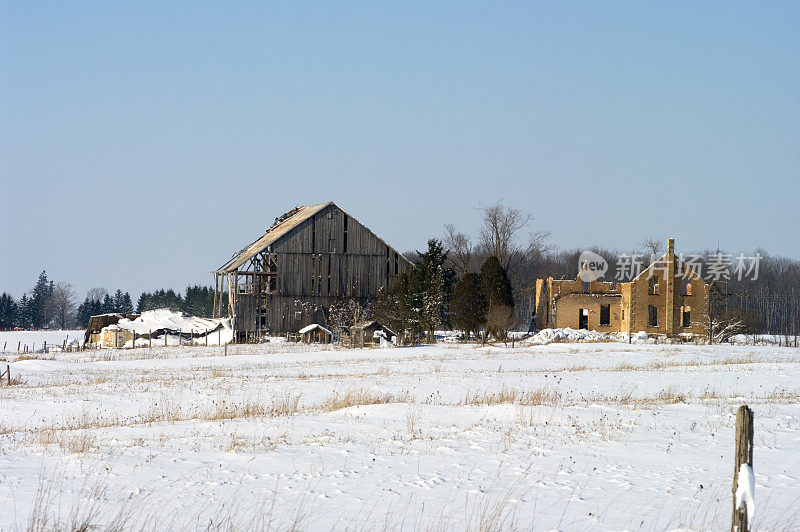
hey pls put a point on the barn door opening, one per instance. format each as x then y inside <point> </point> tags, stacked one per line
<point>583,318</point>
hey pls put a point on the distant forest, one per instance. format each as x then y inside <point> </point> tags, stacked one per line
<point>51,305</point>
<point>771,300</point>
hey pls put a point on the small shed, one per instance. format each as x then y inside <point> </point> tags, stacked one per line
<point>315,334</point>
<point>369,333</point>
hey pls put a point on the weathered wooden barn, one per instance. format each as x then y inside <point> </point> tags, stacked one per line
<point>289,277</point>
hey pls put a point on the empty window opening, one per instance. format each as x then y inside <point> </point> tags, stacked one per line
<point>652,316</point>
<point>687,288</point>
<point>396,264</point>
<point>583,318</point>
<point>586,286</point>
<point>686,316</point>
<point>653,285</point>
<point>605,314</point>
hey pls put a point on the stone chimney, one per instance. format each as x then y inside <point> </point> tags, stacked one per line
<point>670,292</point>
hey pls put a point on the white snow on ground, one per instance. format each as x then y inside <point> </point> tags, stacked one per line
<point>35,339</point>
<point>568,436</point>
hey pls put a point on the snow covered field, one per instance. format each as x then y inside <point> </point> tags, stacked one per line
<point>34,340</point>
<point>570,436</point>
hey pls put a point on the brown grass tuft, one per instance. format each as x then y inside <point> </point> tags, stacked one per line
<point>361,396</point>
<point>541,396</point>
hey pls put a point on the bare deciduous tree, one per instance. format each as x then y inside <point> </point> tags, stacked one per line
<point>96,294</point>
<point>62,304</point>
<point>460,248</point>
<point>500,236</point>
<point>652,244</point>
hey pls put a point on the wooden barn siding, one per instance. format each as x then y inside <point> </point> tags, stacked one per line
<point>363,267</point>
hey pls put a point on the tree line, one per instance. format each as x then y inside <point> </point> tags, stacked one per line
<point>454,269</point>
<point>53,305</point>
<point>768,303</point>
<point>48,305</point>
<point>196,300</point>
<point>506,248</point>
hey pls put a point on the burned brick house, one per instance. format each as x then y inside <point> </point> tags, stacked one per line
<point>666,299</point>
<point>308,258</point>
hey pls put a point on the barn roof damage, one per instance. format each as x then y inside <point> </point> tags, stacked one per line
<point>283,224</point>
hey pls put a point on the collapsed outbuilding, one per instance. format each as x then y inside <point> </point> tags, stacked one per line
<point>161,326</point>
<point>94,332</point>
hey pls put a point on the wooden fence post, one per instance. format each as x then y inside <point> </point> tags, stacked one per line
<point>743,455</point>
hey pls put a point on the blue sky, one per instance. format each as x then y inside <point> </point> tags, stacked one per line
<point>141,145</point>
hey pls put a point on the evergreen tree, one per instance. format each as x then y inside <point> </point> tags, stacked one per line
<point>142,304</point>
<point>95,303</point>
<point>172,300</point>
<point>9,311</point>
<point>118,295</point>
<point>199,301</point>
<point>468,305</point>
<point>25,312</point>
<point>84,312</point>
<point>434,283</point>
<point>107,307</point>
<point>126,306</point>
<point>500,301</point>
<point>38,306</point>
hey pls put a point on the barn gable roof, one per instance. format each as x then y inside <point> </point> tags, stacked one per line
<point>291,220</point>
<point>282,227</point>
